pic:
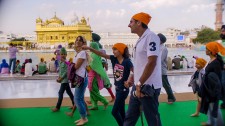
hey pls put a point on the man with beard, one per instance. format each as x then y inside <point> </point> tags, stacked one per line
<point>222,36</point>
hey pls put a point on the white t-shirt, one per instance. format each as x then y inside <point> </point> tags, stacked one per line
<point>29,68</point>
<point>148,45</point>
<point>82,69</point>
<point>52,67</point>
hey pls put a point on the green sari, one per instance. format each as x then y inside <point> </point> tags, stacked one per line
<point>96,65</point>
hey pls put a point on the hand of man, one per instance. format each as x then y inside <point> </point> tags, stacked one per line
<point>138,91</point>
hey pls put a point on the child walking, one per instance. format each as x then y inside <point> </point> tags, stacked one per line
<point>97,79</point>
<point>196,81</point>
<point>63,79</point>
<point>122,66</point>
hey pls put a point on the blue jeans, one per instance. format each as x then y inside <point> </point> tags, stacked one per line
<point>79,98</point>
<point>118,110</point>
<point>12,62</point>
<point>149,106</point>
<point>168,89</point>
<point>64,87</point>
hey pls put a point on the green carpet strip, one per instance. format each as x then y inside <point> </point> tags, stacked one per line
<point>177,114</point>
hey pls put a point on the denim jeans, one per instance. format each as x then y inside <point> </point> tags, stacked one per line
<point>63,87</point>
<point>12,62</point>
<point>168,89</point>
<point>79,98</point>
<point>212,120</point>
<point>118,110</point>
<point>149,106</point>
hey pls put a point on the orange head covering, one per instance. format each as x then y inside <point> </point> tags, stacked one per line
<point>201,62</point>
<point>120,47</point>
<point>142,17</point>
<point>215,47</point>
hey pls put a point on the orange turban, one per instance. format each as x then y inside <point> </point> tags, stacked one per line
<point>201,62</point>
<point>215,47</point>
<point>142,17</point>
<point>120,47</point>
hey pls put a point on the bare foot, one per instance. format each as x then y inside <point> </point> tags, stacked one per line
<point>205,124</point>
<point>77,121</point>
<point>112,100</point>
<point>170,103</point>
<point>54,109</point>
<point>82,122</point>
<point>89,102</point>
<point>194,115</point>
<point>69,114</point>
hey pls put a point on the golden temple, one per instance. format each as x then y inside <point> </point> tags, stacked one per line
<point>54,31</point>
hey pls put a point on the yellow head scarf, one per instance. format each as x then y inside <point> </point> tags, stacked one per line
<point>200,61</point>
<point>215,47</point>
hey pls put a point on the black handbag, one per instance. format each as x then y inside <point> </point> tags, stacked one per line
<point>147,90</point>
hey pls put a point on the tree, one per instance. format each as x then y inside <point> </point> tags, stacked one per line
<point>19,39</point>
<point>207,35</point>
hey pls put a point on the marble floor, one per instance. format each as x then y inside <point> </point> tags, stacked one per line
<point>16,89</point>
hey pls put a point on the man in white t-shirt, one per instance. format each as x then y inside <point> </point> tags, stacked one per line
<point>147,73</point>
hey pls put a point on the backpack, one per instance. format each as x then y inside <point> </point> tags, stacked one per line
<point>71,72</point>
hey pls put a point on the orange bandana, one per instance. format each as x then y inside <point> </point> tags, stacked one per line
<point>120,47</point>
<point>201,62</point>
<point>215,47</point>
<point>142,17</point>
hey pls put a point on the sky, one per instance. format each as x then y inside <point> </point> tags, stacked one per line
<point>19,16</point>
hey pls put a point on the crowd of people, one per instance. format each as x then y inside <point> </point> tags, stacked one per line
<point>28,68</point>
<point>146,75</point>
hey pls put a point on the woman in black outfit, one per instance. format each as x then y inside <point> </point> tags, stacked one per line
<point>211,88</point>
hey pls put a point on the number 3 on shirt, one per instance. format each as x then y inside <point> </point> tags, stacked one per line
<point>152,46</point>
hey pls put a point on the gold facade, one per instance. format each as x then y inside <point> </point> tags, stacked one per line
<point>54,31</point>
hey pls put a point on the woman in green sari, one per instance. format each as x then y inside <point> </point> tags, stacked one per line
<point>97,79</point>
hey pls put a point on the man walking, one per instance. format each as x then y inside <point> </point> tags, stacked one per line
<point>165,82</point>
<point>147,73</point>
<point>222,36</point>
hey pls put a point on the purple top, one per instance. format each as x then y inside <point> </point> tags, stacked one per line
<point>12,52</point>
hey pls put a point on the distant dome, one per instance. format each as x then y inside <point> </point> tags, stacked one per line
<point>83,21</point>
<point>55,20</point>
<point>39,20</point>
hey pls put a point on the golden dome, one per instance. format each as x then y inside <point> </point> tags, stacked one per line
<point>55,20</point>
<point>39,20</point>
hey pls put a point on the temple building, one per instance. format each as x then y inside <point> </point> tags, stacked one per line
<point>53,31</point>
